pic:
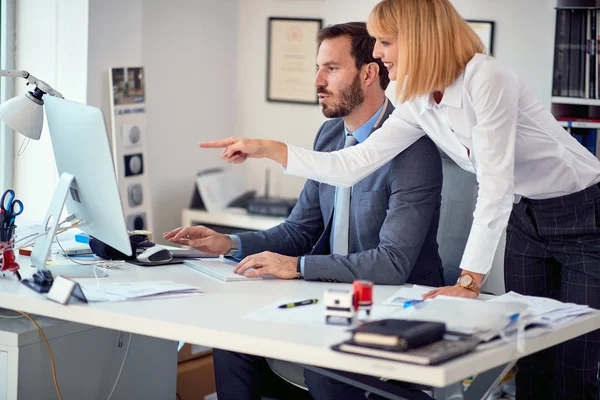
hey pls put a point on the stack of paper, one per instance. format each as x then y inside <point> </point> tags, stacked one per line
<point>122,291</point>
<point>545,311</point>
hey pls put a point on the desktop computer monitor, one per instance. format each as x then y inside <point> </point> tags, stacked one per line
<point>88,184</point>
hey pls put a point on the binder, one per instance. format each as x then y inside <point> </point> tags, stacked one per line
<point>592,63</point>
<point>560,85</point>
<point>576,53</point>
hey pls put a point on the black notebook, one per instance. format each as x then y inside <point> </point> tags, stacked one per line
<point>398,334</point>
<point>430,354</point>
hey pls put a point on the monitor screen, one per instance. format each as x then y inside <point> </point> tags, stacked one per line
<point>81,149</point>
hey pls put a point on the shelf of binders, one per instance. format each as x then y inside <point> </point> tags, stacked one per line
<point>588,136</point>
<point>576,77</point>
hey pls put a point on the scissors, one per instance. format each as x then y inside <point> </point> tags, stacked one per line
<point>11,209</point>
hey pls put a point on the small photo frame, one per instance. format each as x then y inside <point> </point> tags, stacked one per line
<point>291,53</point>
<point>128,85</point>
<point>485,31</point>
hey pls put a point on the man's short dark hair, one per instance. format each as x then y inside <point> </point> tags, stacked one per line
<point>362,45</point>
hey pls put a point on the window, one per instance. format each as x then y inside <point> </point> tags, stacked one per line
<point>7,34</point>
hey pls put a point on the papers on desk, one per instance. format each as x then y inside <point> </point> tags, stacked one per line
<point>122,291</point>
<point>544,311</point>
<point>466,316</point>
<point>491,316</point>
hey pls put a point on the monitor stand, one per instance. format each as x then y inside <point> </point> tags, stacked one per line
<point>43,245</point>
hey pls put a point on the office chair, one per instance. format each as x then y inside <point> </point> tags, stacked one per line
<point>459,195</point>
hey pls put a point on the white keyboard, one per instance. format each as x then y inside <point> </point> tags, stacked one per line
<point>220,269</point>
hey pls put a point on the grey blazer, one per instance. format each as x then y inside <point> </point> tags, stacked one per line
<point>394,215</point>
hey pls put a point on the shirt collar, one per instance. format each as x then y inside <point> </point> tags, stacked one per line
<point>452,96</point>
<point>362,132</point>
<point>453,93</point>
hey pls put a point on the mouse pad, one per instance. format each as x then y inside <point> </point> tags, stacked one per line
<point>157,263</point>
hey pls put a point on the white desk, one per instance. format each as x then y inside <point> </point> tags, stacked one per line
<point>215,320</point>
<point>233,218</point>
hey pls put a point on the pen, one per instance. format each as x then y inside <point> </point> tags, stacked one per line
<point>299,303</point>
<point>412,303</point>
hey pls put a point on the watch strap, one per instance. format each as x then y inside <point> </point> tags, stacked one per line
<point>299,268</point>
<point>472,287</point>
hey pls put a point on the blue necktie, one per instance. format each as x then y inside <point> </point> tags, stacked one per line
<point>341,213</point>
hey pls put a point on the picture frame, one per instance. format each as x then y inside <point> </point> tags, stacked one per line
<point>485,31</point>
<point>291,52</point>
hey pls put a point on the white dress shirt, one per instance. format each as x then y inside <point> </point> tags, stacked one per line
<point>489,123</point>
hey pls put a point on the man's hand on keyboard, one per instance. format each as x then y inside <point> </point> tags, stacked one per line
<point>283,267</point>
<point>201,238</point>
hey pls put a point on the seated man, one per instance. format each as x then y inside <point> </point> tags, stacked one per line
<point>383,229</point>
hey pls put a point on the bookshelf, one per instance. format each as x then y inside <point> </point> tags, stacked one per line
<point>576,74</point>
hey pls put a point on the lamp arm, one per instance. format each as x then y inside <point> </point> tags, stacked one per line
<point>40,84</point>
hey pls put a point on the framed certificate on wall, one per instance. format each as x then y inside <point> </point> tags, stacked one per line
<point>291,53</point>
<point>485,31</point>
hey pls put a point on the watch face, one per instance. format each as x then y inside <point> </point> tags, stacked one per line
<point>465,280</point>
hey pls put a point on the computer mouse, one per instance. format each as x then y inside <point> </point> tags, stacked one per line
<point>155,254</point>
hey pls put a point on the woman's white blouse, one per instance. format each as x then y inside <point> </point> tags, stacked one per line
<point>489,123</point>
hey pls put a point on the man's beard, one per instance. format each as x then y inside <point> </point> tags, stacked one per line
<point>349,99</point>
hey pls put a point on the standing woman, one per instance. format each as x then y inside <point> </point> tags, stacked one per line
<point>534,178</point>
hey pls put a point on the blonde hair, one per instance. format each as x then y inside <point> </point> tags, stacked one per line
<point>434,43</point>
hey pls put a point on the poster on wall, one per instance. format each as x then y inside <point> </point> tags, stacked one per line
<point>128,120</point>
<point>485,31</point>
<point>291,51</point>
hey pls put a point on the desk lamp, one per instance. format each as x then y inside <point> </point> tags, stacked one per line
<point>25,113</point>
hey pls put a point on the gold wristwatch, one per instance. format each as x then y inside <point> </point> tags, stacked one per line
<point>467,281</point>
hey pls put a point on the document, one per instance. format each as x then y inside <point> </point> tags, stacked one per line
<point>219,187</point>
<point>464,316</point>
<point>122,291</point>
<point>405,294</point>
<point>544,311</point>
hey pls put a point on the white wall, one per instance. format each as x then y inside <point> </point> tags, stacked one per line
<point>189,52</point>
<point>523,39</point>
<point>190,83</point>
<point>56,52</point>
<point>115,40</point>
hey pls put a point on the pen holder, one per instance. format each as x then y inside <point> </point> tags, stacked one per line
<point>7,254</point>
<point>7,235</point>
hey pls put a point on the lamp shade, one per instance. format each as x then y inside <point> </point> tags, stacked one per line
<point>23,114</point>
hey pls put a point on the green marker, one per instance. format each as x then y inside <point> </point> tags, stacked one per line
<point>299,303</point>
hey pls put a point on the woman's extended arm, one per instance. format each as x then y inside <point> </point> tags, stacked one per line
<point>340,168</point>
